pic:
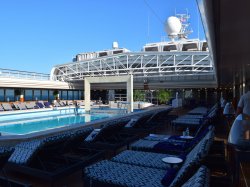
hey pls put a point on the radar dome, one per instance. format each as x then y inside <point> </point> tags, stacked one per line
<point>173,26</point>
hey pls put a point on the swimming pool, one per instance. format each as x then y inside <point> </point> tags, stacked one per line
<point>26,123</point>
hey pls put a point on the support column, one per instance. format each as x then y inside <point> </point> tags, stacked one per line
<point>87,95</point>
<point>130,94</point>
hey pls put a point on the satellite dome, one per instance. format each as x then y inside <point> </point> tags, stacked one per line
<point>173,26</point>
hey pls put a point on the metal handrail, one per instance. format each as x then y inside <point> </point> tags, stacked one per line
<point>9,73</point>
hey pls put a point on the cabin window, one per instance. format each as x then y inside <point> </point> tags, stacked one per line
<point>151,49</point>
<point>117,52</point>
<point>103,54</point>
<point>169,48</point>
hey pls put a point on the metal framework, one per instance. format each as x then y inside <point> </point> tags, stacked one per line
<point>142,65</point>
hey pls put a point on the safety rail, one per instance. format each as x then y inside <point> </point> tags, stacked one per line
<point>23,74</point>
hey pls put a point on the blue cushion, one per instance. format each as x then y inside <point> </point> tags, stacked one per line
<point>171,146</point>
<point>169,177</point>
<point>40,105</point>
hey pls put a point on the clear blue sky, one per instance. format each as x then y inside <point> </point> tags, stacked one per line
<point>37,34</point>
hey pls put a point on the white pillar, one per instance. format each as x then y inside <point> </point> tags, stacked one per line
<point>130,98</point>
<point>87,95</point>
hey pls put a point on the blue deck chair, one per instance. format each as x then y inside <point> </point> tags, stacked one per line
<point>170,146</point>
<point>47,104</point>
<point>109,173</point>
<point>40,105</point>
<point>154,160</point>
<point>52,157</point>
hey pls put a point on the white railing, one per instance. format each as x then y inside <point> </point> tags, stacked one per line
<point>23,74</point>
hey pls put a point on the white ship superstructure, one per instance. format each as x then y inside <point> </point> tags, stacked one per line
<point>180,62</point>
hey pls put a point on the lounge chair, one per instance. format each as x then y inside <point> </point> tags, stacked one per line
<point>21,106</point>
<point>144,124</point>
<point>40,105</point>
<point>70,103</point>
<point>110,137</point>
<point>56,104</point>
<point>31,105</point>
<point>195,120</point>
<point>1,108</point>
<point>7,106</point>
<point>62,103</point>
<point>80,103</point>
<point>110,173</point>
<point>53,157</point>
<point>154,160</point>
<point>47,104</point>
<point>199,111</point>
<point>5,153</point>
<point>171,145</point>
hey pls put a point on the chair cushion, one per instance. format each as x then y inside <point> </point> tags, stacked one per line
<point>140,158</point>
<point>118,174</point>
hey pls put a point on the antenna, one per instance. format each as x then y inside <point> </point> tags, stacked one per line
<point>148,28</point>
<point>185,25</point>
<point>198,23</point>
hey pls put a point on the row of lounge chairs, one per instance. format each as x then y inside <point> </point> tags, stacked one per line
<point>196,117</point>
<point>56,156</point>
<point>24,105</point>
<point>36,105</point>
<point>138,168</point>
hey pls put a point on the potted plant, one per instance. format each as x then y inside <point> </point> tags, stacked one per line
<point>163,96</point>
<point>139,96</point>
<point>56,94</point>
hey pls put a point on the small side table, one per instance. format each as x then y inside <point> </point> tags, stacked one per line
<point>172,160</point>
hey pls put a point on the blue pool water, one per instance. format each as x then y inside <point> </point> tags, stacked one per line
<point>26,123</point>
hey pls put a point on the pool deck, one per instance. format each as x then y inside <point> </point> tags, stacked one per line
<point>14,139</point>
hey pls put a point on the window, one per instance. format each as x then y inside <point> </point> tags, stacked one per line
<point>51,96</point>
<point>9,95</point>
<point>28,95</point>
<point>45,95</point>
<point>37,94</point>
<point>70,95</point>
<point>81,97</point>
<point>64,95</point>
<point>76,95</point>
<point>1,94</point>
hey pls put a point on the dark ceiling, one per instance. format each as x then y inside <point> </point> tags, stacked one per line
<point>231,22</point>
